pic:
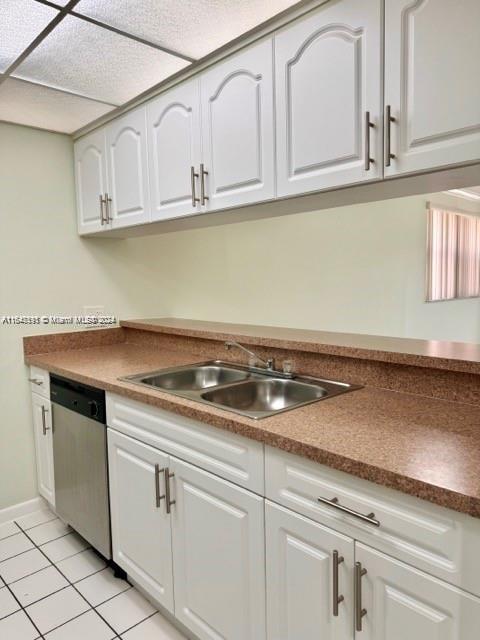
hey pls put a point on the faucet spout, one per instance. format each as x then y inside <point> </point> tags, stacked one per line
<point>269,363</point>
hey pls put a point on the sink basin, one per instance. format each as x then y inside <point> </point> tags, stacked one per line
<point>239,389</point>
<point>193,378</point>
<point>256,397</point>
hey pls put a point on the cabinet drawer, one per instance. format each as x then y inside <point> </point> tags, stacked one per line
<point>228,455</point>
<point>39,382</point>
<point>439,541</point>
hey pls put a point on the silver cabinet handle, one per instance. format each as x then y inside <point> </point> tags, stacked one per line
<point>44,421</point>
<point>158,497</point>
<point>102,210</point>
<point>337,599</point>
<point>203,197</point>
<point>193,175</point>
<point>108,202</point>
<point>388,141</point>
<point>368,125</point>
<point>168,501</point>
<point>36,381</point>
<point>359,611</point>
<point>333,502</point>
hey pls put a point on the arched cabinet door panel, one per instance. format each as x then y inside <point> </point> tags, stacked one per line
<point>432,49</point>
<point>237,129</point>
<point>174,139</point>
<point>128,170</point>
<point>328,76</point>
<point>91,181</point>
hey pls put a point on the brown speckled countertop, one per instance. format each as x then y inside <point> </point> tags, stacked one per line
<point>422,446</point>
<point>440,354</point>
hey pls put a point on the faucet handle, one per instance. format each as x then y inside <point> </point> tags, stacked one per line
<point>288,366</point>
<point>270,363</point>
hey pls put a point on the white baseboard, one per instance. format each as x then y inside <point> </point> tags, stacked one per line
<point>22,509</point>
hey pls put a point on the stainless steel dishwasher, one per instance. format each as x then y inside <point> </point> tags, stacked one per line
<point>80,460</point>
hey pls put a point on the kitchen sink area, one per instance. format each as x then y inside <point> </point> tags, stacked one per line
<point>249,391</point>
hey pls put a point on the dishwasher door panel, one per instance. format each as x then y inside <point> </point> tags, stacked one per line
<point>81,476</point>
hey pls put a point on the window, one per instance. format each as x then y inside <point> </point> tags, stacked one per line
<point>453,256</point>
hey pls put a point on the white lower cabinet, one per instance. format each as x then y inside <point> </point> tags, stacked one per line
<point>402,602</point>
<point>42,430</point>
<point>309,579</point>
<point>218,554</point>
<point>141,538</point>
<point>194,542</point>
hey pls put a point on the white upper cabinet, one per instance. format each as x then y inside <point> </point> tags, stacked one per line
<point>174,151</point>
<point>91,181</point>
<point>328,77</point>
<point>432,53</point>
<point>237,129</point>
<point>309,567</point>
<point>128,193</point>
<point>218,556</point>
<point>401,602</point>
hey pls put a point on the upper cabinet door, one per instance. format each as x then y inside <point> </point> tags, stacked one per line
<point>432,53</point>
<point>328,77</point>
<point>402,602</point>
<point>301,565</point>
<point>218,556</point>
<point>91,181</point>
<point>237,129</point>
<point>174,142</point>
<point>128,191</point>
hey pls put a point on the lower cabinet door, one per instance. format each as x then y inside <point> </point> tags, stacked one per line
<point>42,429</point>
<point>404,603</point>
<point>141,533</point>
<point>302,584</point>
<point>219,558</point>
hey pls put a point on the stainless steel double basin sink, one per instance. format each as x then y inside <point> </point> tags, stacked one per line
<point>238,389</point>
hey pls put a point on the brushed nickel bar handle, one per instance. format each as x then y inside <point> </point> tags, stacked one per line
<point>337,599</point>
<point>102,214</point>
<point>359,611</point>
<point>168,502</point>
<point>108,202</point>
<point>368,125</point>
<point>333,502</point>
<point>44,421</point>
<point>158,497</point>
<point>388,140</point>
<point>193,175</point>
<point>36,381</point>
<point>203,173</point>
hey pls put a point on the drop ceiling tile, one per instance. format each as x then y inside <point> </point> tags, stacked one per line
<point>38,106</point>
<point>81,57</point>
<point>20,23</point>
<point>192,27</point>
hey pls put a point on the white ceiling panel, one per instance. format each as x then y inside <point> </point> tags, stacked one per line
<point>38,106</point>
<point>192,27</point>
<point>81,57</point>
<point>20,23</point>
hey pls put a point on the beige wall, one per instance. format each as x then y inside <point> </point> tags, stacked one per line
<point>355,269</point>
<point>358,268</point>
<point>46,268</point>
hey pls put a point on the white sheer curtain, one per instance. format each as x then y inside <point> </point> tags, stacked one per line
<point>453,260</point>
<point>442,255</point>
<point>468,276</point>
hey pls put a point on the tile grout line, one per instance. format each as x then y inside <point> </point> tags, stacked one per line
<point>22,608</point>
<point>74,587</point>
<point>34,543</point>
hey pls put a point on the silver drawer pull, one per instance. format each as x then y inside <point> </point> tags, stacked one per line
<point>44,421</point>
<point>36,381</point>
<point>333,502</point>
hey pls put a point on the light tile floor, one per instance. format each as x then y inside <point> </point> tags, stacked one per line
<point>53,586</point>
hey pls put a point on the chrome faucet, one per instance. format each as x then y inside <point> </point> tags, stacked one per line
<point>269,363</point>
